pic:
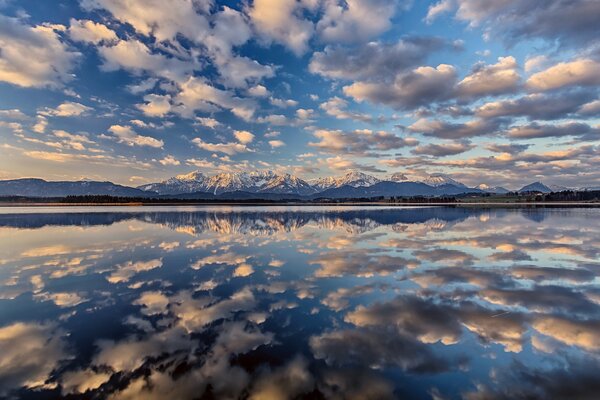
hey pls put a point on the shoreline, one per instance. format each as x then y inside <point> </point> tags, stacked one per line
<point>296,204</point>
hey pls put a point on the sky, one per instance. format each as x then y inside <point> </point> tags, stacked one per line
<point>502,93</point>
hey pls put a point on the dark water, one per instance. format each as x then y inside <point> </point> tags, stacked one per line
<point>282,303</point>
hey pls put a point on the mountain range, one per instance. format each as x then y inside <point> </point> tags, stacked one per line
<point>264,185</point>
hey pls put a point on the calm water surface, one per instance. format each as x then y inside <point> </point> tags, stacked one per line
<point>286,303</point>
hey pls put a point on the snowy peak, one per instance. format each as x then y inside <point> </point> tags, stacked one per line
<point>441,179</point>
<point>288,184</point>
<point>351,178</point>
<point>492,189</point>
<point>398,177</point>
<point>195,176</point>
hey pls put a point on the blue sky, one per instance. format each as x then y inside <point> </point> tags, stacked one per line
<point>137,91</point>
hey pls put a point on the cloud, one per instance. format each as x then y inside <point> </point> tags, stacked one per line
<point>198,95</point>
<point>536,130</point>
<point>127,135</point>
<point>208,122</point>
<point>421,86</point>
<point>34,56</point>
<point>67,109</point>
<point>435,10</point>
<point>244,137</point>
<point>355,20</point>
<point>486,80</point>
<point>442,150</point>
<point>135,56</point>
<point>344,164</point>
<point>91,32</point>
<point>281,21</point>
<point>226,148</point>
<point>581,72</point>
<point>276,143</point>
<point>358,142</point>
<point>373,60</point>
<point>169,160</point>
<point>447,130</point>
<point>537,106</point>
<point>336,107</point>
<point>566,21</point>
<point>163,19</point>
<point>30,352</point>
<point>155,105</point>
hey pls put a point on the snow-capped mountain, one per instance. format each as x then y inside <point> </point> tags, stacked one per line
<point>492,189</point>
<point>242,181</point>
<point>186,183</point>
<point>351,178</point>
<point>254,182</point>
<point>441,179</point>
<point>287,184</point>
<point>535,187</point>
<point>398,177</point>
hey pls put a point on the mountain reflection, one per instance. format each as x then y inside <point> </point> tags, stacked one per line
<point>280,303</point>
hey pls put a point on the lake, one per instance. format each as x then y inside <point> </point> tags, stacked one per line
<point>300,302</point>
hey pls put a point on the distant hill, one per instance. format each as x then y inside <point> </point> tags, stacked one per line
<point>32,187</point>
<point>535,187</point>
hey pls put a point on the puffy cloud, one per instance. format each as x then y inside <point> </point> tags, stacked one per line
<point>336,107</point>
<point>435,10</point>
<point>535,130</point>
<point>585,334</point>
<point>163,19</point>
<point>226,148</point>
<point>567,21</point>
<point>198,95</point>
<point>355,20</point>
<point>373,60</point>
<point>486,80</point>
<point>281,21</point>
<point>30,352</point>
<point>208,122</point>
<point>90,31</point>
<point>447,130</point>
<point>244,137</point>
<point>127,135</point>
<point>536,106</point>
<point>421,86</point>
<point>258,91</point>
<point>135,56</point>
<point>33,56</point>
<point>169,160</point>
<point>276,143</point>
<point>67,109</point>
<point>358,141</point>
<point>155,105</point>
<point>582,72</point>
<point>442,150</point>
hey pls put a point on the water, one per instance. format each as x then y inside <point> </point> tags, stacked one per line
<point>307,302</point>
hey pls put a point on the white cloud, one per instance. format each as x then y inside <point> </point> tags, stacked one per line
<point>435,10</point>
<point>276,143</point>
<point>582,72</point>
<point>226,148</point>
<point>155,105</point>
<point>355,20</point>
<point>169,160</point>
<point>244,137</point>
<point>67,109</point>
<point>33,56</point>
<point>90,31</point>
<point>281,21</point>
<point>208,122</point>
<point>485,80</point>
<point>127,135</point>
